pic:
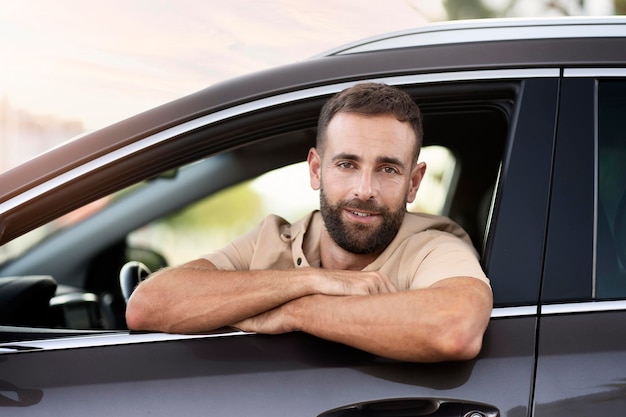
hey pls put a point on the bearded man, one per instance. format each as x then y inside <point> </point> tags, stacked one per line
<point>360,271</point>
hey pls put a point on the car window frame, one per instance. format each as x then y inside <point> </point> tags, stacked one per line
<point>569,242</point>
<point>168,153</point>
<point>570,259</point>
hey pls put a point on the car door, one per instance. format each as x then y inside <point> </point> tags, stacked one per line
<point>582,349</point>
<point>234,373</point>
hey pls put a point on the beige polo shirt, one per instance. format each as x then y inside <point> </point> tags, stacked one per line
<point>426,249</point>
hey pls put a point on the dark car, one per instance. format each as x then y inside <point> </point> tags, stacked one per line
<point>522,135</point>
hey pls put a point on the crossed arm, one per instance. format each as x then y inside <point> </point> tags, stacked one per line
<point>363,309</point>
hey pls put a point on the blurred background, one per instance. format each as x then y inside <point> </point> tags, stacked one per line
<point>70,66</point>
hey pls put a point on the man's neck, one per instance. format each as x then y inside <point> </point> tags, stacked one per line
<point>335,257</point>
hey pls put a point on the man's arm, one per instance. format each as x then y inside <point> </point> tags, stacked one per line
<point>198,297</point>
<point>443,322</point>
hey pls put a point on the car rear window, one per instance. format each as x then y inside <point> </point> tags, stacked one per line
<point>611,196</point>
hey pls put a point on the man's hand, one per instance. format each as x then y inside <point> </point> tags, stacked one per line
<point>330,283</point>
<point>337,282</point>
<point>274,321</point>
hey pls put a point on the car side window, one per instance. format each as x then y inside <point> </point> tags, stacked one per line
<point>611,192</point>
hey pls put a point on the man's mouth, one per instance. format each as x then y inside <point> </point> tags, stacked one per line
<point>365,215</point>
<point>361,214</point>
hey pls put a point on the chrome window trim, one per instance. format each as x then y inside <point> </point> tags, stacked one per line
<point>125,338</point>
<point>280,99</point>
<point>512,312</point>
<point>583,307</point>
<point>596,179</point>
<point>594,72</point>
<point>104,339</point>
<point>560,309</point>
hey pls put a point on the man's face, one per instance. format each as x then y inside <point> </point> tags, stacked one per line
<point>366,176</point>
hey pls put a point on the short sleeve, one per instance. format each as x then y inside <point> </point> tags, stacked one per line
<point>267,246</point>
<point>445,256</point>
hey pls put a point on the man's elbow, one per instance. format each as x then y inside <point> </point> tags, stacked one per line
<point>139,314</point>
<point>461,346</point>
<point>134,319</point>
<point>462,336</point>
<point>462,340</point>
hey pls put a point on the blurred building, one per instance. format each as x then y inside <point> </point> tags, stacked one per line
<point>24,135</point>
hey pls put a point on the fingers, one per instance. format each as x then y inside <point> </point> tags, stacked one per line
<point>378,283</point>
<point>384,285</point>
<point>390,286</point>
<point>270,322</point>
<point>355,283</point>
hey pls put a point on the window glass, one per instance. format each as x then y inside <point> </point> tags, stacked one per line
<point>611,195</point>
<point>22,244</point>
<point>192,232</point>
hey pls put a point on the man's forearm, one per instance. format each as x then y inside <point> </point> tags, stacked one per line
<point>444,322</point>
<point>197,297</point>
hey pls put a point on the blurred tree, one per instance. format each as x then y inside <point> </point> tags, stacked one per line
<point>476,9</point>
<point>221,210</point>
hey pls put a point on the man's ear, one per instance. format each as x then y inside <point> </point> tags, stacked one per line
<point>315,168</point>
<point>417,175</point>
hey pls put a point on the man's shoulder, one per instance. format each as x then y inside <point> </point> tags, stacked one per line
<point>276,224</point>
<point>421,222</point>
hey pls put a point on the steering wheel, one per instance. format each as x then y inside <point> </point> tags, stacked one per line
<point>131,274</point>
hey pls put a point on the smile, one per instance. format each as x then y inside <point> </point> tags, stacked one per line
<point>362,214</point>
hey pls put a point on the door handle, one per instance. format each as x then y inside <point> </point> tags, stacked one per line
<point>414,407</point>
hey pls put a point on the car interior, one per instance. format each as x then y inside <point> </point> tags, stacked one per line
<point>83,294</point>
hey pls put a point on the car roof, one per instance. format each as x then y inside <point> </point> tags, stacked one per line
<point>489,30</point>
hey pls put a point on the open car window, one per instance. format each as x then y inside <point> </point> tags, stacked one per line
<point>199,207</point>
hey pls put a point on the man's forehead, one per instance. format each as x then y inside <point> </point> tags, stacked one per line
<point>382,136</point>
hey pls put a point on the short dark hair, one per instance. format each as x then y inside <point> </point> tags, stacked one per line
<point>372,99</point>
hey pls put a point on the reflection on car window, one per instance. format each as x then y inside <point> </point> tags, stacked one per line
<point>21,244</point>
<point>611,207</point>
<point>211,223</point>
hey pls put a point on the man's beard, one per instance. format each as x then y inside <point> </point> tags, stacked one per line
<point>360,239</point>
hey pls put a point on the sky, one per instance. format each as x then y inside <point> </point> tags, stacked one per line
<point>98,62</point>
<point>102,61</point>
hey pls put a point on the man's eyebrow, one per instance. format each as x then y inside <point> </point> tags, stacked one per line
<point>380,160</point>
<point>390,160</point>
<point>348,156</point>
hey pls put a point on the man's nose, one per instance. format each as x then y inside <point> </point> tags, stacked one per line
<point>366,186</point>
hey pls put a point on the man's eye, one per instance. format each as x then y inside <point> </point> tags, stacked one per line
<point>345,165</point>
<point>390,170</point>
